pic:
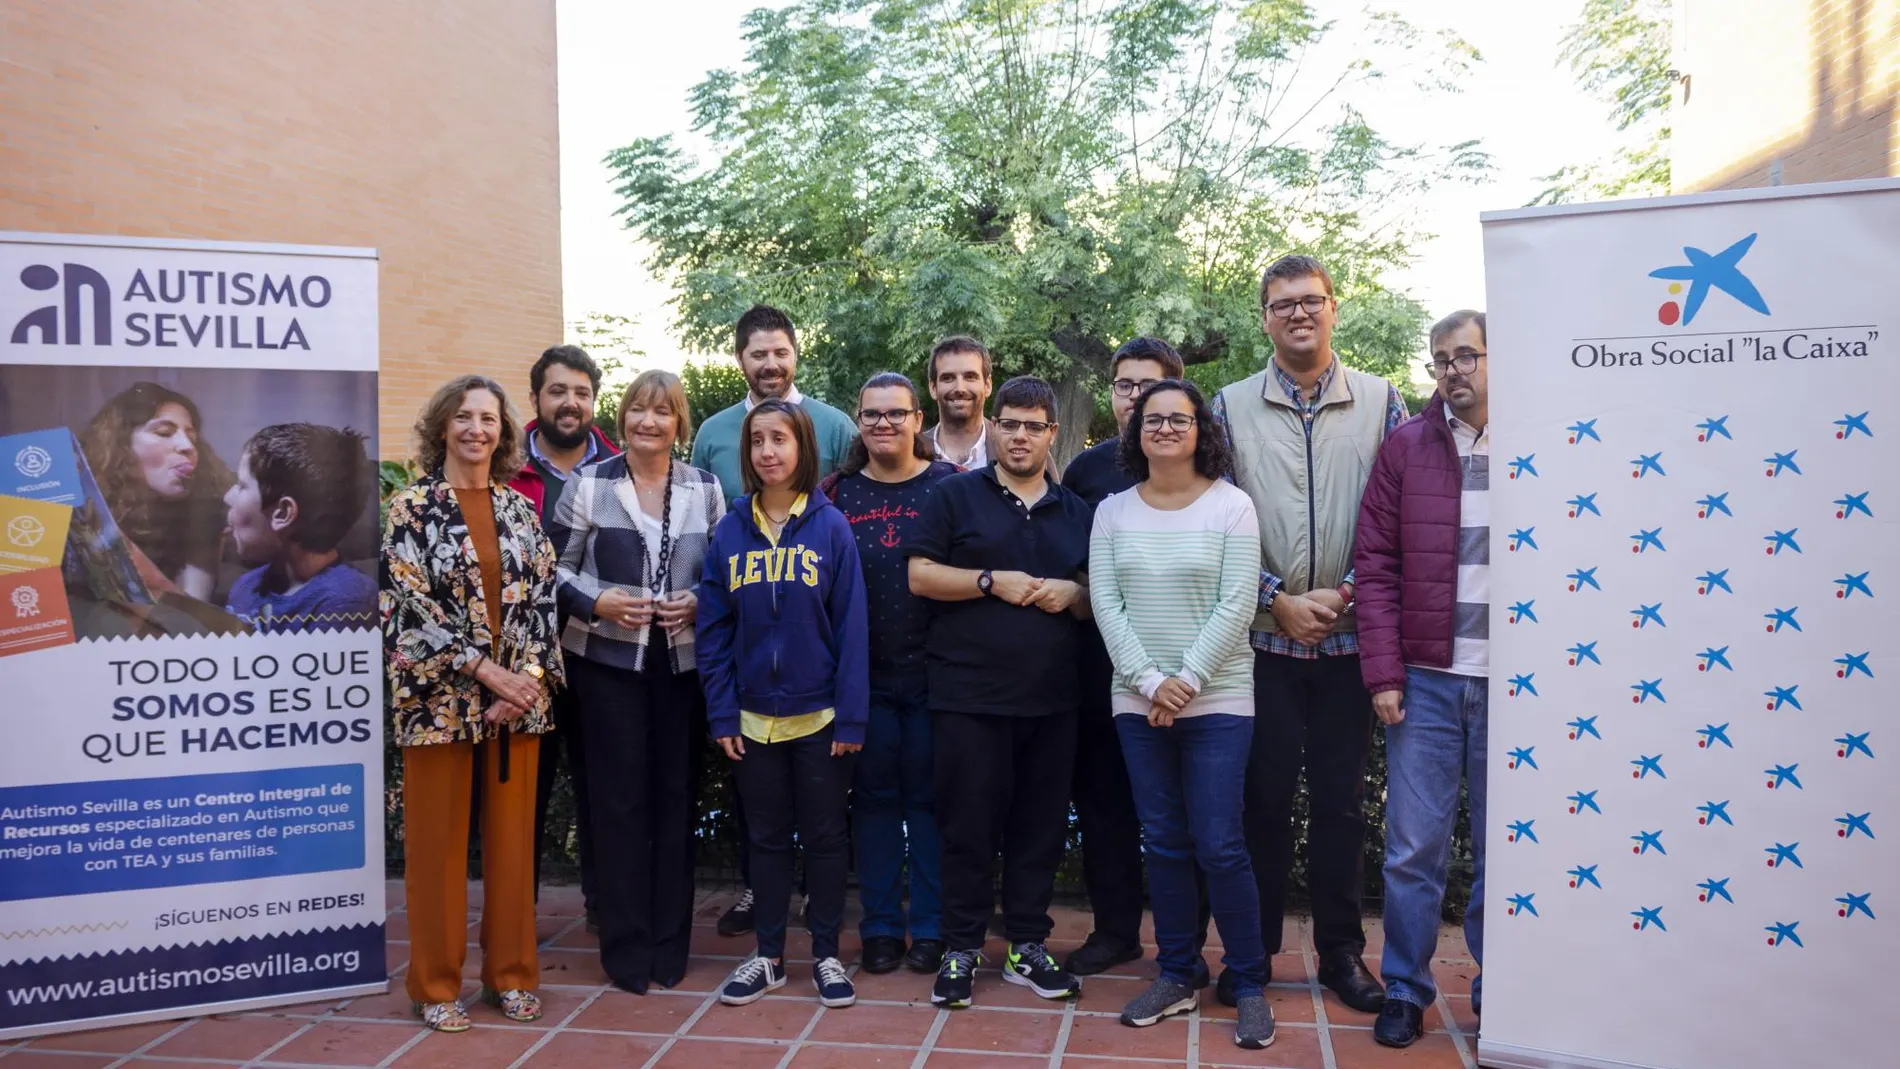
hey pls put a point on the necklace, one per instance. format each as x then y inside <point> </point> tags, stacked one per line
<point>658,585</point>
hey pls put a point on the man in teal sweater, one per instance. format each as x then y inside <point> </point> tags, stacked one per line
<point>767,347</point>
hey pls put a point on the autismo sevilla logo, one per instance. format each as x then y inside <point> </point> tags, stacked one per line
<point>82,310</point>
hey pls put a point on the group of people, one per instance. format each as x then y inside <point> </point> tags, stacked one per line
<point>924,644</point>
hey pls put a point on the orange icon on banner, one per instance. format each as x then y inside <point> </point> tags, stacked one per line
<point>33,612</point>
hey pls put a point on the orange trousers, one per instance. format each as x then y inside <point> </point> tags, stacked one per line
<point>435,793</point>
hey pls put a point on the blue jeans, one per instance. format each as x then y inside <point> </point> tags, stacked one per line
<point>895,792</point>
<point>1188,783</point>
<point>1441,739</point>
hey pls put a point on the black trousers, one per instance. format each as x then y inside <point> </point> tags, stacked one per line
<point>796,786</point>
<point>1313,716</point>
<point>569,735</point>
<point>644,731</point>
<point>1105,806</point>
<point>1002,783</point>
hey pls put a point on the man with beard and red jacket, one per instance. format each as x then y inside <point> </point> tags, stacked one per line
<point>561,439</point>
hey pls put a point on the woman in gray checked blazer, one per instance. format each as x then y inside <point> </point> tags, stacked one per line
<point>631,533</point>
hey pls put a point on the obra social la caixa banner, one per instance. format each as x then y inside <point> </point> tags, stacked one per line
<point>191,786</point>
<point>1695,606</point>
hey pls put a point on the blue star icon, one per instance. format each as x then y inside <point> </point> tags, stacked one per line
<point>1712,812</point>
<point>1781,540</point>
<point>1645,765</point>
<point>1720,271</point>
<point>1520,829</point>
<point>1713,427</point>
<point>1782,462</point>
<point>1583,577</point>
<point>1783,933</point>
<point>1583,725</point>
<point>1783,854</point>
<point>1714,581</point>
<point>1584,651</point>
<point>1583,800</point>
<point>1852,503</point>
<point>1647,463</point>
<point>1647,916</point>
<point>1851,423</point>
<point>1583,428</point>
<point>1583,503</point>
<point>1522,756</point>
<point>1646,539</point>
<point>1523,466</point>
<point>1521,904</point>
<point>1713,658</point>
<point>1784,775</point>
<point>1646,689</point>
<point>1521,610</point>
<point>1852,904</point>
<point>1523,683</point>
<point>1781,618</point>
<point>1711,504</point>
<point>1713,889</point>
<point>1853,662</point>
<point>1851,584</point>
<point>1712,734</point>
<point>1646,615</point>
<point>1853,744</point>
<point>1781,696</point>
<point>1522,537</point>
<point>1583,874</point>
<point>1853,824</point>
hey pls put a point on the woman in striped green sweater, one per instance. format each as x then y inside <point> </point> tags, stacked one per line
<point>1173,574</point>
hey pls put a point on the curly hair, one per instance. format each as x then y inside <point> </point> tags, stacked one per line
<point>173,532</point>
<point>1213,456</point>
<point>432,428</point>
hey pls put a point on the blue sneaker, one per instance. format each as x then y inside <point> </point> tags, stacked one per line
<point>833,984</point>
<point>751,980</point>
<point>954,977</point>
<point>1029,965</point>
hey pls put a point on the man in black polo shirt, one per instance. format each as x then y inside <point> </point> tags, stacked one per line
<point>1002,553</point>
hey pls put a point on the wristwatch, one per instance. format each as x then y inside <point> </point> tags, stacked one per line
<point>984,581</point>
<point>1346,592</point>
<point>534,670</point>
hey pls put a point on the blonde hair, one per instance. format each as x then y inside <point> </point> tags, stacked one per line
<point>659,387</point>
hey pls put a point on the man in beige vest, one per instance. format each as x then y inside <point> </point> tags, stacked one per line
<point>1305,432</point>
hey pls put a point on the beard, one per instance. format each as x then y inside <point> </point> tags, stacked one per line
<point>1030,466</point>
<point>768,388</point>
<point>551,432</point>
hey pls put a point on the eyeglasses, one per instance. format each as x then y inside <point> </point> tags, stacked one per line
<point>1463,364</point>
<point>894,416</point>
<point>1131,387</point>
<point>1034,428</point>
<point>1174,421</point>
<point>1311,304</point>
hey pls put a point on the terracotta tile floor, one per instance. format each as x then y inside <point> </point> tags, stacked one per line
<point>591,1026</point>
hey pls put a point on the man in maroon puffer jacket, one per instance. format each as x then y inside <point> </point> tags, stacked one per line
<point>1422,560</point>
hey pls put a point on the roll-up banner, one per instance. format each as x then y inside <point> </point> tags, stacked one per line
<point>191,772</point>
<point>1695,620</point>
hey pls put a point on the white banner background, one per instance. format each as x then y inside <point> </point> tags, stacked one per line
<point>1591,766</point>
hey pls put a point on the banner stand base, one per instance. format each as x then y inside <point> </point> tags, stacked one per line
<point>294,998</point>
<point>1512,1056</point>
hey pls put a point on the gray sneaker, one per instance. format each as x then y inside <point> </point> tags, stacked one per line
<point>1254,1030</point>
<point>1164,998</point>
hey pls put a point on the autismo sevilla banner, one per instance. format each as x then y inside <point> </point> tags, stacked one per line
<point>1693,570</point>
<point>191,790</point>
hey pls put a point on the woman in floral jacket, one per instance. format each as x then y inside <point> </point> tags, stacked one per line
<point>468,614</point>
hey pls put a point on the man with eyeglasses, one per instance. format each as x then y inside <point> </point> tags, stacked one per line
<point>1424,599</point>
<point>1002,552</point>
<point>1104,801</point>
<point>1304,433</point>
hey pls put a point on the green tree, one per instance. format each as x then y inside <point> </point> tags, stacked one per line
<point>1619,52</point>
<point>1053,176</point>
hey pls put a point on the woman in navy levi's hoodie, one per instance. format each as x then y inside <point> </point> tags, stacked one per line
<point>784,655</point>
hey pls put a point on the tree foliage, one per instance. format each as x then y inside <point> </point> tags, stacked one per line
<point>1619,52</point>
<point>1053,176</point>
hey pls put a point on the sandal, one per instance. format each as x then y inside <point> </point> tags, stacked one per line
<point>515,1004</point>
<point>443,1016</point>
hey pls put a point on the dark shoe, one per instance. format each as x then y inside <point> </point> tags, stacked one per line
<point>1224,990</point>
<point>1099,954</point>
<point>593,923</point>
<point>1201,976</point>
<point>882,954</point>
<point>954,977</point>
<point>1254,1029</point>
<point>738,919</point>
<point>1029,965</point>
<point>833,983</point>
<point>751,980</point>
<point>925,955</point>
<point>1346,973</point>
<point>1399,1025</point>
<point>1164,998</point>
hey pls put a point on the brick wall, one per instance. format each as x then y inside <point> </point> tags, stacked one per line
<point>1786,91</point>
<point>425,129</point>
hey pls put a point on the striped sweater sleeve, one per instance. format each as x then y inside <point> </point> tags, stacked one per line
<point>1226,629</point>
<point>1125,651</point>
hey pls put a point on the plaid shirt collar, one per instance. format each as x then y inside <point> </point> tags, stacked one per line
<point>1306,407</point>
<point>541,459</point>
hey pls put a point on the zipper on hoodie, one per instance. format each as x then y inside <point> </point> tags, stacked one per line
<point>1312,509</point>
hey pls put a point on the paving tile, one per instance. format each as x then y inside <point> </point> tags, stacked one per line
<point>1108,1037</point>
<point>707,940</point>
<point>656,1011</point>
<point>396,926</point>
<point>153,1063</point>
<point>122,1040</point>
<point>1460,1012</point>
<point>993,1030</point>
<point>768,1018</point>
<point>900,986</point>
<point>990,989</point>
<point>1288,1003</point>
<point>344,1043</point>
<point>1338,1012</point>
<point>546,928</point>
<point>1292,1048</point>
<point>900,1025</point>
<point>578,938</point>
<point>227,1038</point>
<point>572,967</point>
<point>942,1059</point>
<point>394,1004</point>
<point>1289,969</point>
<point>821,1057</point>
<point>1355,1049</point>
<point>1453,977</point>
<point>703,975</point>
<point>48,1059</point>
<point>477,1048</point>
<point>583,1050</point>
<point>710,1053</point>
